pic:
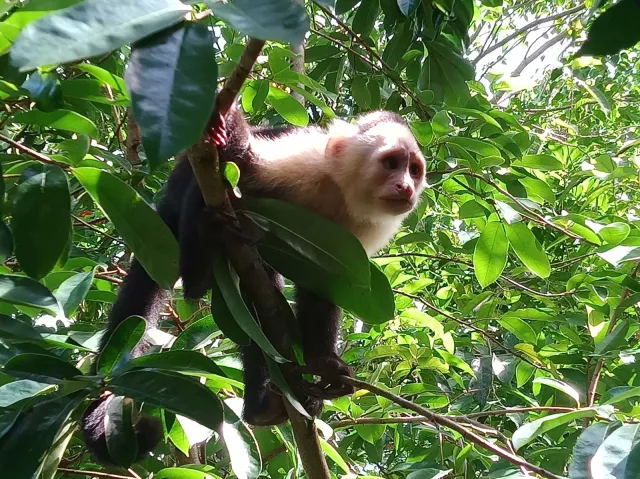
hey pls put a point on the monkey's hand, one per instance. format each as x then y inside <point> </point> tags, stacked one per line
<point>329,386</point>
<point>218,128</point>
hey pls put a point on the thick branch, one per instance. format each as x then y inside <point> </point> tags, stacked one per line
<point>32,153</point>
<point>271,306</point>
<point>451,424</point>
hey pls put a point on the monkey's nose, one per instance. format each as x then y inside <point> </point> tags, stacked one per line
<point>404,190</point>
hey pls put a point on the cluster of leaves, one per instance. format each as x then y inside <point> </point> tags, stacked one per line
<point>512,286</point>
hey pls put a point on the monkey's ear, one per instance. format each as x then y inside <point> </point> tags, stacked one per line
<point>341,134</point>
<point>336,146</point>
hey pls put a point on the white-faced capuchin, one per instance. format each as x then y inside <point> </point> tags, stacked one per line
<point>366,176</point>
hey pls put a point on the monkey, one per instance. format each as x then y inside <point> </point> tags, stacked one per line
<point>366,176</point>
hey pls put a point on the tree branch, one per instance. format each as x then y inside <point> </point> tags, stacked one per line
<point>271,306</point>
<point>449,423</point>
<point>32,153</point>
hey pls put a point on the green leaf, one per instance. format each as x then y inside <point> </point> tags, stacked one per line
<point>224,318</point>
<point>23,291</point>
<point>614,30</point>
<point>184,473</point>
<point>335,456</point>
<point>490,254</point>
<point>528,249</point>
<point>178,361</point>
<point>117,349</point>
<point>472,209</point>
<point>231,173</point>
<point>615,233</point>
<point>318,239</point>
<point>360,92</point>
<point>141,228</point>
<point>232,297</point>
<point>455,361</point>
<point>91,28</point>
<point>16,391</point>
<point>14,328</point>
<point>196,334</point>
<point>560,386</point>
<point>172,113</point>
<point>539,162</point>
<point>116,83</point>
<point>617,456</point>
<point>73,291</point>
<point>41,367</point>
<point>408,8</point>
<point>23,449</point>
<point>431,473</point>
<point>6,241</point>
<point>42,209</point>
<point>422,131</point>
<point>343,6</point>
<point>279,20</point>
<point>60,120</point>
<point>530,431</point>
<point>120,436</point>
<point>365,17</point>
<point>174,392</point>
<point>49,467</point>
<point>613,340</point>
<point>524,371</point>
<point>288,107</point>
<point>519,328</point>
<point>241,446</point>
<point>480,147</point>
<point>586,446</point>
<point>44,88</point>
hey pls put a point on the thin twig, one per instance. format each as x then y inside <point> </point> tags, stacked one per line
<point>449,423</point>
<point>32,153</point>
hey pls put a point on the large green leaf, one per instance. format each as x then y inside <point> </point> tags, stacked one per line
<point>226,281</point>
<point>23,449</point>
<point>586,446</point>
<point>490,254</point>
<point>16,391</point>
<point>42,210</point>
<point>23,291</point>
<point>322,241</point>
<point>290,108</point>
<point>241,446</point>
<point>482,148</point>
<point>60,120</point>
<point>618,457</point>
<point>280,20</point>
<point>41,367</point>
<point>92,28</point>
<point>528,249</point>
<point>13,328</point>
<point>117,350</point>
<point>173,112</point>
<point>530,431</point>
<point>73,291</point>
<point>178,361</point>
<point>174,392</point>
<point>141,228</point>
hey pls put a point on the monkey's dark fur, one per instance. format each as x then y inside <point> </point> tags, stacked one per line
<point>183,210</point>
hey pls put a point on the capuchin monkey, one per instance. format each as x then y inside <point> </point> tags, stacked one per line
<point>366,176</point>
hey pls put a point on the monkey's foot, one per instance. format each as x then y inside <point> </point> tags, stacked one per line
<point>223,227</point>
<point>270,412</point>
<point>329,386</point>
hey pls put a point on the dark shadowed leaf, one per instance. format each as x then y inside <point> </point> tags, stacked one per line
<point>49,468</point>
<point>24,448</point>
<point>170,78</point>
<point>92,28</point>
<point>365,17</point>
<point>120,435</point>
<point>117,350</point>
<point>175,392</point>
<point>280,20</point>
<point>41,367</point>
<point>6,241</point>
<point>42,210</point>
<point>14,328</point>
<point>141,228</point>
<point>16,391</point>
<point>44,88</point>
<point>23,291</point>
<point>60,120</point>
<point>614,30</point>
<point>178,361</point>
<point>490,254</point>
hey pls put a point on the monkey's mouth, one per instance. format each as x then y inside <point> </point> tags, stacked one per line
<point>399,204</point>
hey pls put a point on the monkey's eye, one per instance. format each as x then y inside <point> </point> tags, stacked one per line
<point>390,163</point>
<point>414,169</point>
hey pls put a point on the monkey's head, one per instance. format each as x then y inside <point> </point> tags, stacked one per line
<point>378,165</point>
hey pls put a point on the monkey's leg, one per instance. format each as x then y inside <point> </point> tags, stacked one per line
<point>319,321</point>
